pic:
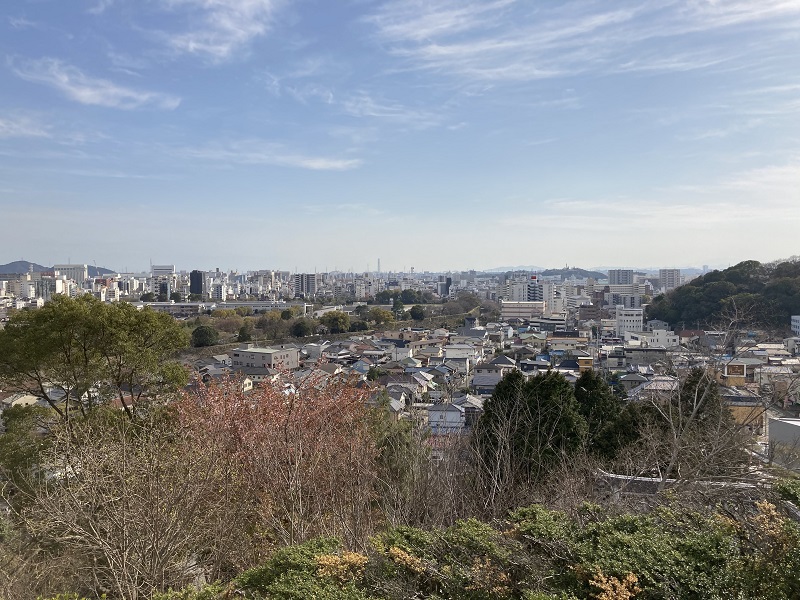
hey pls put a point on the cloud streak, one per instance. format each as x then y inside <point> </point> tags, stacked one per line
<point>221,27</point>
<point>508,40</point>
<point>19,127</point>
<point>257,152</point>
<point>364,105</point>
<point>80,87</point>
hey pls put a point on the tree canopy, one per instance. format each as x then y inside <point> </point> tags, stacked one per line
<point>526,426</point>
<point>204,335</point>
<point>336,321</point>
<point>758,294</point>
<point>77,353</point>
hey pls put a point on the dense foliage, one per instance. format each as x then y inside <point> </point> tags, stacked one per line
<point>669,552</point>
<point>750,293</point>
<point>77,353</point>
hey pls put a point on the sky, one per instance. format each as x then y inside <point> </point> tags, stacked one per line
<point>325,135</point>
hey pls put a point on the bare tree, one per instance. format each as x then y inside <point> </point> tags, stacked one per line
<point>307,453</point>
<point>131,509</point>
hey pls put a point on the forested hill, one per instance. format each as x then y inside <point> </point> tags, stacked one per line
<point>758,294</point>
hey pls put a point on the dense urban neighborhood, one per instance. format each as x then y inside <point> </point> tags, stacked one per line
<point>359,426</point>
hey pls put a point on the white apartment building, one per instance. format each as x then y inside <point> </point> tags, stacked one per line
<point>657,337</point>
<point>219,291</point>
<point>628,319</point>
<point>796,325</point>
<point>78,273</point>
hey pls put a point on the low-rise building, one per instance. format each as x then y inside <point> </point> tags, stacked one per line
<point>247,355</point>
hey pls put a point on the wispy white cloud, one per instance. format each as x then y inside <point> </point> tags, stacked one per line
<point>774,183</point>
<point>519,41</point>
<point>258,152</point>
<point>364,105</point>
<point>418,20</point>
<point>219,28</point>
<point>78,86</point>
<point>722,132</point>
<point>16,127</point>
<point>101,6</point>
<point>21,23</point>
<point>305,93</point>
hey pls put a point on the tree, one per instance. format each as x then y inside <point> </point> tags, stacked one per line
<point>417,312</point>
<point>273,325</point>
<point>601,409</point>
<point>76,354</point>
<point>336,321</point>
<point>359,326</point>
<point>685,434</point>
<point>386,296</point>
<point>134,508</point>
<point>176,297</point>
<point>308,455</point>
<point>380,316</point>
<point>245,334</point>
<point>21,446</point>
<point>148,297</point>
<point>204,336</point>
<point>301,328</point>
<point>411,297</point>
<point>526,426</point>
<point>195,297</point>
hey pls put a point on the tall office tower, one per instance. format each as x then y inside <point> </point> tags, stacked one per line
<point>669,278</point>
<point>620,276</point>
<point>305,284</point>
<point>196,280</point>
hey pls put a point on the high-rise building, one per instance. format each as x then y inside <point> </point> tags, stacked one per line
<point>305,284</point>
<point>620,276</point>
<point>669,278</point>
<point>196,282</point>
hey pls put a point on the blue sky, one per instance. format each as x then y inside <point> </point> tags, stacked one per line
<point>442,135</point>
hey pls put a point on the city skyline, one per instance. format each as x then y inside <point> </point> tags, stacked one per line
<point>441,135</point>
<point>370,268</point>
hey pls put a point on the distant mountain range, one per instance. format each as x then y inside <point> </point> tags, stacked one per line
<point>23,266</point>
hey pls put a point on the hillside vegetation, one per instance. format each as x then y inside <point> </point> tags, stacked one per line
<point>750,293</point>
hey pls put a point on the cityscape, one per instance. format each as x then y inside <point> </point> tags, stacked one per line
<point>399,299</point>
<point>386,396</point>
